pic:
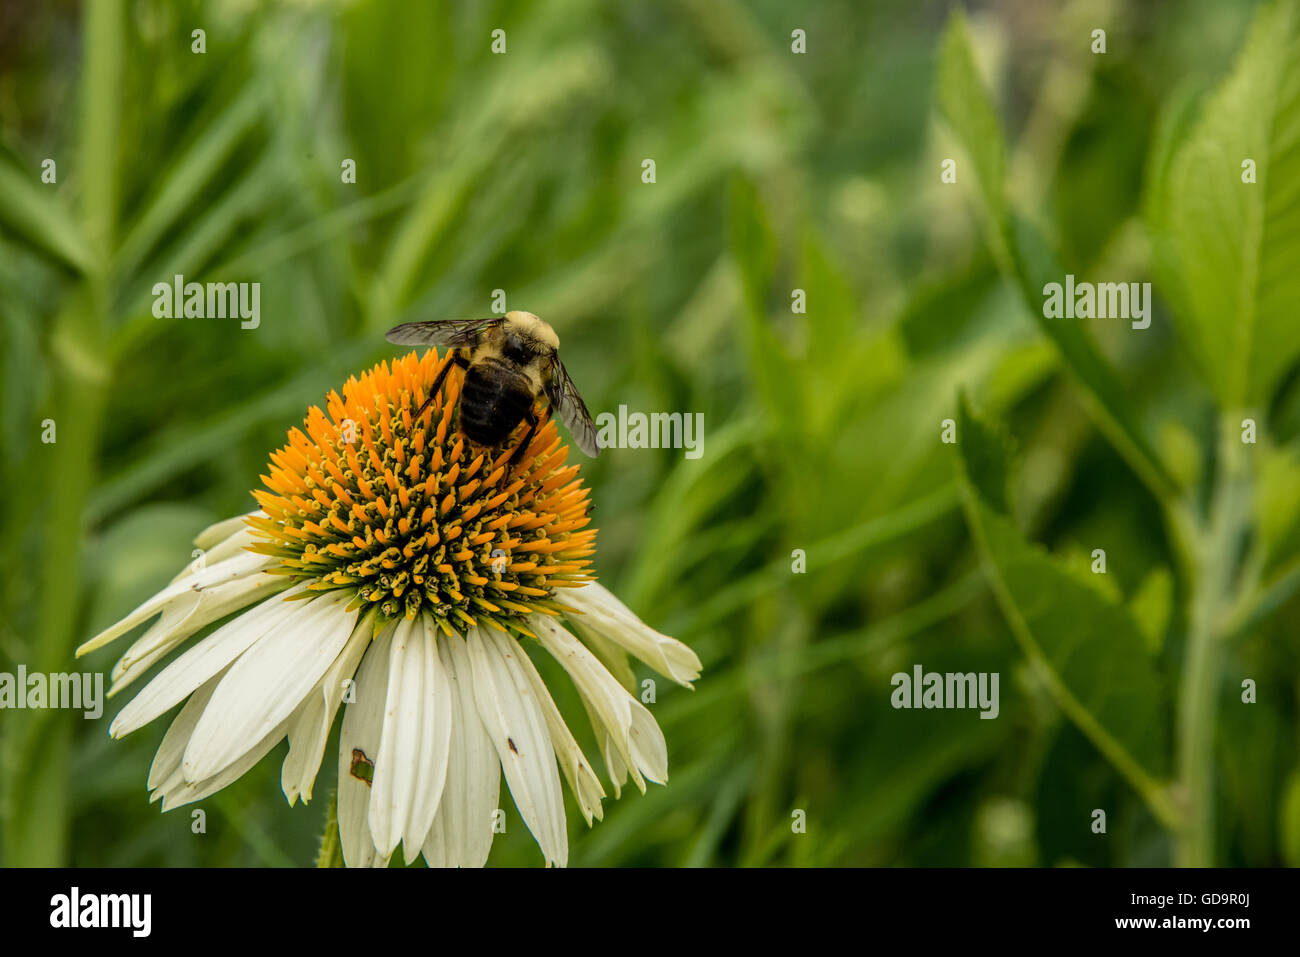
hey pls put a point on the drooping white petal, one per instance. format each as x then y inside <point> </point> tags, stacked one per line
<point>310,729</point>
<point>412,764</point>
<point>269,682</point>
<point>218,573</point>
<point>239,565</point>
<point>167,761</point>
<point>176,791</point>
<point>223,540</point>
<point>634,733</point>
<point>584,784</point>
<point>517,727</point>
<point>359,741</point>
<point>166,780</point>
<point>199,663</point>
<point>618,771</point>
<point>604,613</point>
<point>218,532</point>
<point>614,766</point>
<point>646,739</point>
<point>185,616</point>
<point>461,835</point>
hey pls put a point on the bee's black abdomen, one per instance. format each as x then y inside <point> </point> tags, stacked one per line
<point>493,401</point>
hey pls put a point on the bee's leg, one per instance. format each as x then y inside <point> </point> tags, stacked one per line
<point>523,442</point>
<point>455,360</point>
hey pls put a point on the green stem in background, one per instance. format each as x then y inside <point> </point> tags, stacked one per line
<point>39,745</point>
<point>1262,600</point>
<point>331,851</point>
<point>39,749</point>
<point>1211,604</point>
<point>773,705</point>
<point>1153,792</point>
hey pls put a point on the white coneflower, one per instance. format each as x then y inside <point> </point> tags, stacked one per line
<point>395,568</point>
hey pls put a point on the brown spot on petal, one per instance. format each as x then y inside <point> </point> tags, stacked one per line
<point>363,769</point>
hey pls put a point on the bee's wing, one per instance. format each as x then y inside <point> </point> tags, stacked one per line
<point>564,399</point>
<point>454,333</point>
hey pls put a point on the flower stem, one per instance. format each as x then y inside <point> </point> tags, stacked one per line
<point>36,828</point>
<point>1211,603</point>
<point>331,851</point>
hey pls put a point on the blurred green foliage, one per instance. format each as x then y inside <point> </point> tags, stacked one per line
<point>775,171</point>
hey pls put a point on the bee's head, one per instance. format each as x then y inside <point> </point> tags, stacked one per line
<point>529,327</point>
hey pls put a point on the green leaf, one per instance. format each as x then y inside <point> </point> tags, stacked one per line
<point>968,110</point>
<point>1022,252</point>
<point>1152,606</point>
<point>986,457</point>
<point>1289,823</point>
<point>1087,648</point>
<point>1036,265</point>
<point>1277,503</point>
<point>754,246</point>
<point>39,219</point>
<point>939,317</point>
<point>1227,252</point>
<point>188,177</point>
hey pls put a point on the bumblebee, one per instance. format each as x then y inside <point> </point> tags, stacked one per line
<point>509,362</point>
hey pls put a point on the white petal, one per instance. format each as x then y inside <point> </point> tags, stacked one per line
<point>461,835</point>
<point>633,731</point>
<point>515,723</point>
<point>614,765</point>
<point>221,541</point>
<point>649,749</point>
<point>604,613</point>
<point>412,763</point>
<point>185,616</point>
<point>310,729</point>
<point>199,663</point>
<point>269,682</point>
<point>218,573</point>
<point>176,791</point>
<point>400,742</point>
<point>166,779</point>
<point>220,531</point>
<point>583,782</point>
<point>431,768</point>
<point>359,741</point>
<point>168,759</point>
<point>618,771</point>
<point>236,566</point>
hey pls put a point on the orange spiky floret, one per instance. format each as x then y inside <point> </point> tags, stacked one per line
<point>413,516</point>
